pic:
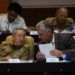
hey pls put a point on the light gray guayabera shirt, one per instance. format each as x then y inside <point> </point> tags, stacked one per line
<point>18,23</point>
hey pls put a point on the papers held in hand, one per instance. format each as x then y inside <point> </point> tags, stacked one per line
<point>45,49</point>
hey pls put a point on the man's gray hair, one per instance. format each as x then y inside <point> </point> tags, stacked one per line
<point>15,29</point>
<point>43,25</point>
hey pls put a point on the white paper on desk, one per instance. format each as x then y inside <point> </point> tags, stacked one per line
<point>26,61</point>
<point>33,33</point>
<point>54,59</point>
<point>14,61</point>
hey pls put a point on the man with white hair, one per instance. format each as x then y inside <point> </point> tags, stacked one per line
<point>46,36</point>
<point>45,32</point>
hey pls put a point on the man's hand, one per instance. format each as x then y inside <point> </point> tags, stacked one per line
<point>7,58</point>
<point>56,53</point>
<point>73,37</point>
<point>40,55</point>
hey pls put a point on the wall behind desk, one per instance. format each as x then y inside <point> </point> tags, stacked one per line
<point>3,6</point>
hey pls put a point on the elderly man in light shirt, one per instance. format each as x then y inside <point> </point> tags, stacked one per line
<point>12,19</point>
<point>46,35</point>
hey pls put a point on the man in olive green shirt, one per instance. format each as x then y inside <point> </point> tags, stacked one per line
<point>17,48</point>
<point>61,20</point>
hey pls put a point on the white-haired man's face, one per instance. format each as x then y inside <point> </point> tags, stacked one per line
<point>19,38</point>
<point>44,36</point>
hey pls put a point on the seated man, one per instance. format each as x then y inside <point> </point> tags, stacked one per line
<point>17,46</point>
<point>61,21</point>
<point>12,19</point>
<point>46,35</point>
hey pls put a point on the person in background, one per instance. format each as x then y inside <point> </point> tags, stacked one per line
<point>61,21</point>
<point>13,19</point>
<point>18,46</point>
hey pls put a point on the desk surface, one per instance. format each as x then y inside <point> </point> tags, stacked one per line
<point>37,67</point>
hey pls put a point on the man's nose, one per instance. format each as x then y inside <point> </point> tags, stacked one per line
<point>22,38</point>
<point>63,18</point>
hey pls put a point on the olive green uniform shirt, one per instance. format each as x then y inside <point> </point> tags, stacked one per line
<point>7,49</point>
<point>67,25</point>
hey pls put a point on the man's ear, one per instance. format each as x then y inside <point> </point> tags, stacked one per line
<point>56,14</point>
<point>50,31</point>
<point>13,35</point>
